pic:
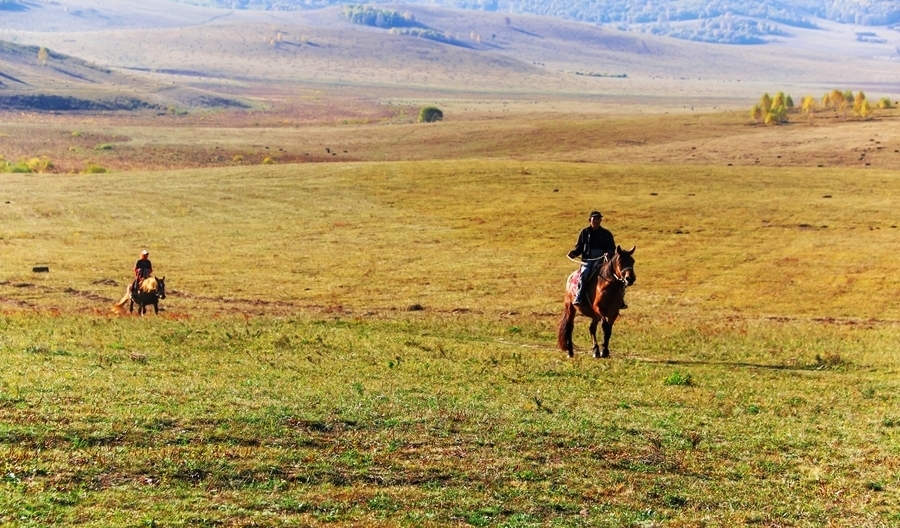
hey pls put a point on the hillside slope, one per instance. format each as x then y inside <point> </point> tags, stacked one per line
<point>257,52</point>
<point>722,21</point>
<point>37,78</point>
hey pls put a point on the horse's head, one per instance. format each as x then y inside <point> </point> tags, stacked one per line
<point>161,287</point>
<point>624,265</point>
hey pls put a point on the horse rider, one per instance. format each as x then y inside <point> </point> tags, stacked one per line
<point>595,245</point>
<point>142,269</point>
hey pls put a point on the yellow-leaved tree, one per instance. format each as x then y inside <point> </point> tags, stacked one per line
<point>757,113</point>
<point>858,102</point>
<point>43,55</point>
<point>808,104</point>
<point>864,110</point>
<point>765,102</point>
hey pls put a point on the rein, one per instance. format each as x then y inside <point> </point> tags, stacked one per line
<point>580,260</point>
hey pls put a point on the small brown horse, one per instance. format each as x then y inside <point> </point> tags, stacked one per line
<point>151,290</point>
<point>606,294</point>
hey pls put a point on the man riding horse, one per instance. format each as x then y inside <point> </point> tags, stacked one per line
<point>595,245</point>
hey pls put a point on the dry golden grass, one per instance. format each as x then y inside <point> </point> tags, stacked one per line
<point>349,127</point>
<point>479,235</point>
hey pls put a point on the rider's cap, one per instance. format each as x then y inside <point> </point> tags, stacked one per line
<point>145,252</point>
<point>595,213</point>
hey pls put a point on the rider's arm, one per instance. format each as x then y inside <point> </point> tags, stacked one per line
<point>579,246</point>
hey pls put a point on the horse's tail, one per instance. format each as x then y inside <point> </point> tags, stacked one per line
<point>566,323</point>
<point>119,306</point>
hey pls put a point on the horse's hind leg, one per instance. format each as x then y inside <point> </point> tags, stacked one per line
<point>596,348</point>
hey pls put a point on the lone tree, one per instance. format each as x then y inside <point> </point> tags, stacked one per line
<point>43,56</point>
<point>430,114</point>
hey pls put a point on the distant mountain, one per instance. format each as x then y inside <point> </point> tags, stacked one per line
<point>719,21</point>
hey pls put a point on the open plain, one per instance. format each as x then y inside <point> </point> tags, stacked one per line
<point>362,310</point>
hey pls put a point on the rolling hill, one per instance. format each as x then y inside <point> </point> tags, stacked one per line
<point>723,21</point>
<point>200,56</point>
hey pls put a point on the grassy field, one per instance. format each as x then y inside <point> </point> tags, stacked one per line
<point>370,343</point>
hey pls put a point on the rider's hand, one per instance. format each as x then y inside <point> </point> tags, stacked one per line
<point>572,254</point>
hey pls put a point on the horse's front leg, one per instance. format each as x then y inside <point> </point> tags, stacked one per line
<point>607,333</point>
<point>131,305</point>
<point>596,348</point>
<point>156,308</point>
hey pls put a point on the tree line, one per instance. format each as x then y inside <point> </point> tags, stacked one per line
<point>774,110</point>
<point>791,12</point>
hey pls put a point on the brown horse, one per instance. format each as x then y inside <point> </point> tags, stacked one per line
<point>606,294</point>
<point>151,290</point>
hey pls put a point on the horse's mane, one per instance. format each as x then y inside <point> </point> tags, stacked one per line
<point>148,285</point>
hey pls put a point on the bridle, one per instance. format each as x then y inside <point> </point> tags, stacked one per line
<point>616,276</point>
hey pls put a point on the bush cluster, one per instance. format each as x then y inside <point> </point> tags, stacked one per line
<point>371,16</point>
<point>25,166</point>
<point>773,111</point>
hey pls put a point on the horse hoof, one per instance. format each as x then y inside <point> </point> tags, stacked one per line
<point>571,354</point>
<point>605,354</point>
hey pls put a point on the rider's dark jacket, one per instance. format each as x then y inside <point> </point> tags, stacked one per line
<point>590,240</point>
<point>142,268</point>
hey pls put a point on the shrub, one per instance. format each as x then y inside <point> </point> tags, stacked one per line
<point>430,114</point>
<point>39,165</point>
<point>268,161</point>
<point>93,168</point>
<point>237,158</point>
<point>103,146</point>
<point>885,102</point>
<point>11,167</point>
<point>677,378</point>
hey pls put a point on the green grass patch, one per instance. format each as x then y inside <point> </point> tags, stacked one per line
<point>304,420</point>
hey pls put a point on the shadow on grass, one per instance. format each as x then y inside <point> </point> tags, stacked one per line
<point>822,365</point>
